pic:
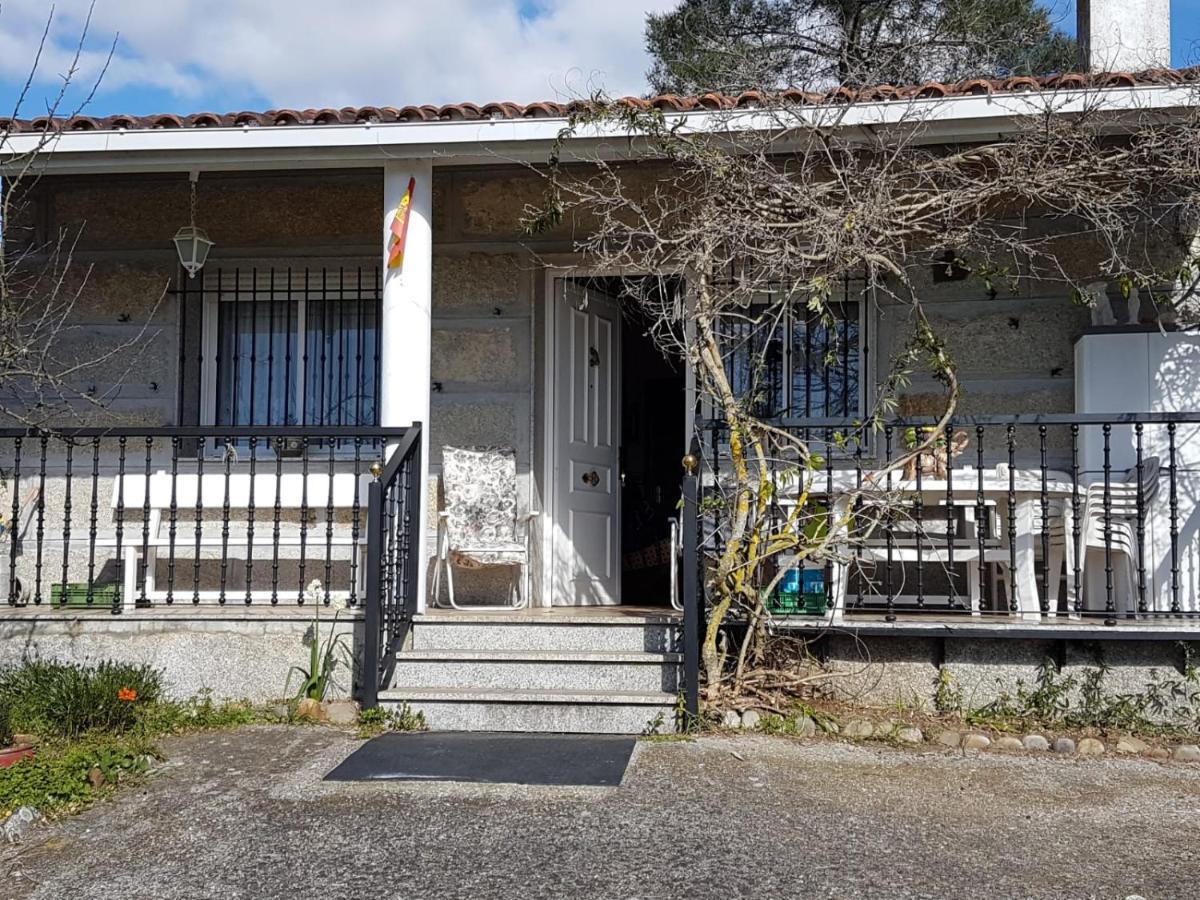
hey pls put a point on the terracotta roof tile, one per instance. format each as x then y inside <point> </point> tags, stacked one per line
<point>455,112</point>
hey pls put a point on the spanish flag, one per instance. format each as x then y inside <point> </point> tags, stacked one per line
<point>399,227</point>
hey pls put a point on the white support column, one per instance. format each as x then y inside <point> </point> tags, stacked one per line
<point>405,328</point>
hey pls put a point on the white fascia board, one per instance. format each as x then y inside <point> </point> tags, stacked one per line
<point>500,140</point>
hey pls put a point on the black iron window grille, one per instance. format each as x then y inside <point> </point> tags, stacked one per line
<point>785,359</point>
<point>284,346</point>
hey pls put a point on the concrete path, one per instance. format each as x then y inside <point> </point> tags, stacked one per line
<point>245,815</point>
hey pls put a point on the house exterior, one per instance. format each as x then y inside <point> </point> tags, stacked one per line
<point>280,419</point>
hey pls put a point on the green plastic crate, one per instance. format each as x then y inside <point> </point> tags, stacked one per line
<point>74,595</point>
<point>789,604</point>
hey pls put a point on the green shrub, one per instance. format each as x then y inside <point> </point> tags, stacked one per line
<point>68,699</point>
<point>56,780</point>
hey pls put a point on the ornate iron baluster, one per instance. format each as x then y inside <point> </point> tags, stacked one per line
<point>1076,522</point>
<point>253,444</point>
<point>951,520</point>
<point>93,521</point>
<point>14,529</point>
<point>121,549</point>
<point>225,509</point>
<point>329,519</point>
<point>888,532</point>
<point>1109,604</point>
<point>1174,518</point>
<point>1044,599</point>
<point>144,562</point>
<point>277,509</point>
<point>1012,518</point>
<point>981,520</point>
<point>389,578</point>
<point>355,530</point>
<point>830,524</point>
<point>1141,518</point>
<point>66,533</point>
<point>303,513</point>
<point>173,520</point>
<point>41,521</point>
<point>919,516</point>
<point>857,541</point>
<point>199,518</point>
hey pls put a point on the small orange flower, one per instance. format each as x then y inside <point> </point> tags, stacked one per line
<point>127,694</point>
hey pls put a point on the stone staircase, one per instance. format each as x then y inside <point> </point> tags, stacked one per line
<point>549,671</point>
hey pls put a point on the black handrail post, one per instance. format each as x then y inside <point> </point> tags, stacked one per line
<point>374,595</point>
<point>691,587</point>
<point>413,505</point>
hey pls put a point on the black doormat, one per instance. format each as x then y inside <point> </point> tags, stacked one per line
<point>490,758</point>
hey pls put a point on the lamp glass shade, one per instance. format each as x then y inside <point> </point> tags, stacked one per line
<point>192,245</point>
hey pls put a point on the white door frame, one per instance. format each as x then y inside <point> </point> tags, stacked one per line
<point>563,267</point>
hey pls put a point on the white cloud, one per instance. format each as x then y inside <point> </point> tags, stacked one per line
<point>304,53</point>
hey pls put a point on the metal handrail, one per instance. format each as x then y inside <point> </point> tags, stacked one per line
<point>676,550</point>
<point>393,517</point>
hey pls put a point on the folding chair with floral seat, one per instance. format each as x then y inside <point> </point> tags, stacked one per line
<point>479,527</point>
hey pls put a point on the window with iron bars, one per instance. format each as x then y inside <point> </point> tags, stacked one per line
<point>786,360</point>
<point>286,346</point>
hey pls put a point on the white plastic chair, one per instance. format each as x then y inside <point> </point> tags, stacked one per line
<point>933,552</point>
<point>1122,515</point>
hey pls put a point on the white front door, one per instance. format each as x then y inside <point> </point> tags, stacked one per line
<point>586,375</point>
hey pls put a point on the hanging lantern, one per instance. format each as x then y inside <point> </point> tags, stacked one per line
<point>192,243</point>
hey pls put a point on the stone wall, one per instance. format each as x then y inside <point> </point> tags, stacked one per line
<point>903,670</point>
<point>235,654</point>
<point>1014,351</point>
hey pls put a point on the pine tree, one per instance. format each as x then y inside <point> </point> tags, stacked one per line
<point>733,45</point>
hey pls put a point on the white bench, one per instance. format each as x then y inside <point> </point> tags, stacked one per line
<point>215,490</point>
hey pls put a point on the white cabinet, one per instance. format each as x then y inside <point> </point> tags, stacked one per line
<point>1148,372</point>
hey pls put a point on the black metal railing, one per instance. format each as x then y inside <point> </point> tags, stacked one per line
<point>692,576</point>
<point>1036,518</point>
<point>120,518</point>
<point>393,561</point>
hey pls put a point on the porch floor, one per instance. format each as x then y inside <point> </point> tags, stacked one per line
<point>1160,626</point>
<point>598,615</point>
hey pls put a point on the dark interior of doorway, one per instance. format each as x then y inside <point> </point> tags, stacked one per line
<point>653,401</point>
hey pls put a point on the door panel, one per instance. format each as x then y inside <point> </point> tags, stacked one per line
<point>586,375</point>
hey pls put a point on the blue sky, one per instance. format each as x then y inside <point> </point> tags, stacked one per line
<point>223,55</point>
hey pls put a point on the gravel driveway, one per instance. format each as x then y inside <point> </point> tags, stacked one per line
<point>244,815</point>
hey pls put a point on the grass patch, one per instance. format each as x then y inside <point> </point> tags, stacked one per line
<point>200,713</point>
<point>377,720</point>
<point>96,726</point>
<point>59,780</point>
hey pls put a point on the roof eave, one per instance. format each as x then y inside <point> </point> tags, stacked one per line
<point>451,142</point>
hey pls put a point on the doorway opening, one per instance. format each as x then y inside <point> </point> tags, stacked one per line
<point>653,440</point>
<point>619,424</point>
